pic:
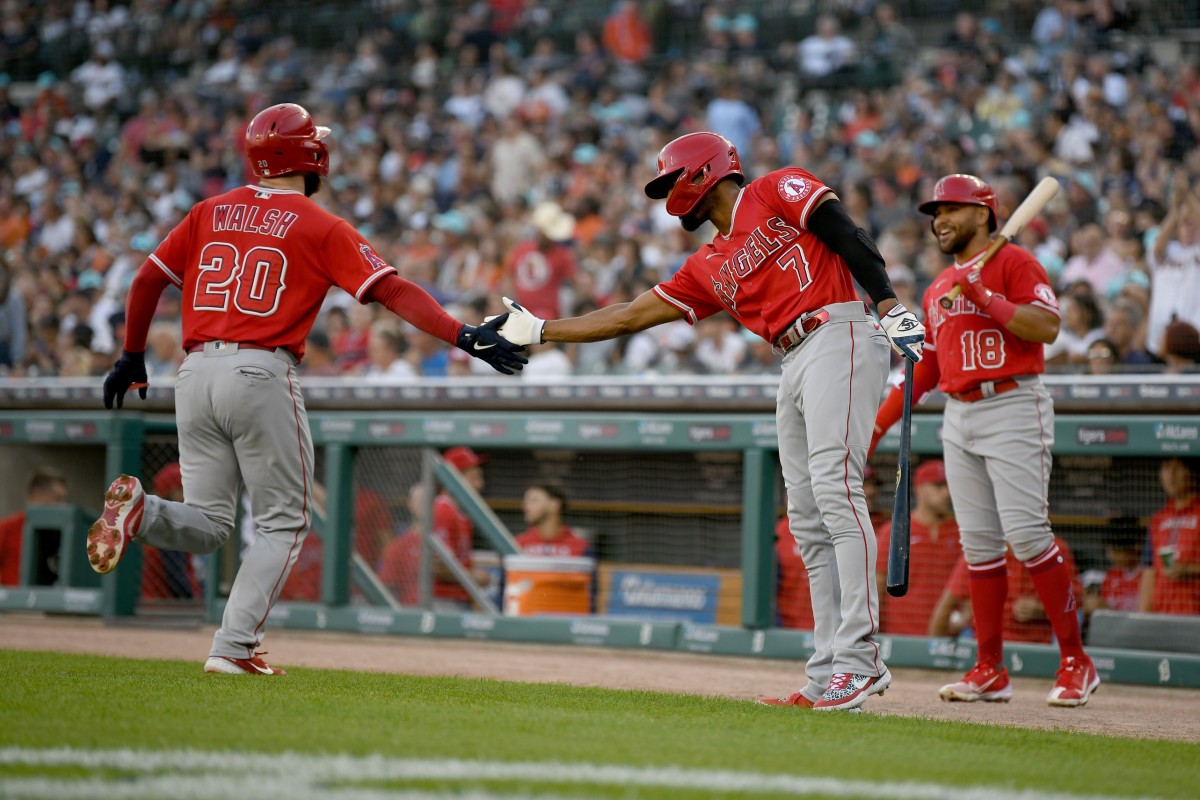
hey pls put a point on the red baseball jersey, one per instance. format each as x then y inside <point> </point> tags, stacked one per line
<point>538,277</point>
<point>971,346</point>
<point>932,561</point>
<point>792,596</point>
<point>12,530</point>
<point>770,268</point>
<point>565,543</point>
<point>399,567</point>
<point>455,529</point>
<point>1020,584</point>
<point>1121,588</point>
<point>1175,535</point>
<point>255,263</point>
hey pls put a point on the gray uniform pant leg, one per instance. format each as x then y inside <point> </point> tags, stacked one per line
<point>998,463</point>
<point>829,393</point>
<point>242,420</point>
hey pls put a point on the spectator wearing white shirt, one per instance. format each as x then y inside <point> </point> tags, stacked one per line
<point>385,355</point>
<point>1094,261</point>
<point>827,51</point>
<point>101,78</point>
<point>1175,266</point>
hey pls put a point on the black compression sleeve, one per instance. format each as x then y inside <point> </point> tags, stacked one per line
<point>833,226</point>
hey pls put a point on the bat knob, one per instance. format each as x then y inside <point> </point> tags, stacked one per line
<point>897,591</point>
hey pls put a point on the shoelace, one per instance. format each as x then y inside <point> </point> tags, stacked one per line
<point>840,681</point>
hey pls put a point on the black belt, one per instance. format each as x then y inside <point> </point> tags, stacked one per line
<point>801,329</point>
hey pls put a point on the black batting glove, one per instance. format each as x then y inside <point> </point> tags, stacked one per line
<point>486,344</point>
<point>128,372</point>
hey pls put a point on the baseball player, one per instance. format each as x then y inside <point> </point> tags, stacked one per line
<point>783,264</point>
<point>986,355</point>
<point>547,535</point>
<point>254,265</point>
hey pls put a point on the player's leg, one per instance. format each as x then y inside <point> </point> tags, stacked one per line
<point>263,409</point>
<point>208,467</point>
<point>1017,435</point>
<point>982,539</point>
<point>844,368</point>
<point>206,520</point>
<point>816,548</point>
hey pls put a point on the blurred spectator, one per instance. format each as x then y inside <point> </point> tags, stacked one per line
<point>1172,584</point>
<point>934,552</point>
<point>547,360</point>
<point>826,52</point>
<point>167,574</point>
<point>1025,618</point>
<point>1124,328</point>
<point>547,535</point>
<point>46,487</point>
<point>385,355</point>
<point>626,35</point>
<point>1103,358</point>
<point>1094,261</point>
<point>719,345</point>
<point>735,119</point>
<point>164,353</point>
<point>1180,348</point>
<point>541,267</point>
<point>318,356</point>
<point>1083,324</point>
<point>1175,266</point>
<point>14,326</point>
<point>1119,587</point>
<point>101,78</point>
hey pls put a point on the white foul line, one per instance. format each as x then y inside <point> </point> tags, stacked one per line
<point>199,775</point>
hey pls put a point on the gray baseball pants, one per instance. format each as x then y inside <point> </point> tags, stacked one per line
<point>829,393</point>
<point>241,422</point>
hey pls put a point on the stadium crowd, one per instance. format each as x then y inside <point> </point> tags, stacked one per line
<point>500,147</point>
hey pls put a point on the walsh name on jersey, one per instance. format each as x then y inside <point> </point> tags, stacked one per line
<point>240,217</point>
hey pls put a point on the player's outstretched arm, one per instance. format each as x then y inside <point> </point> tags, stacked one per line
<point>621,319</point>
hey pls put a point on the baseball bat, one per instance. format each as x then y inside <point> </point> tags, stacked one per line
<point>897,571</point>
<point>1030,207</point>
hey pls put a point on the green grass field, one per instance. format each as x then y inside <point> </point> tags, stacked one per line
<point>93,727</point>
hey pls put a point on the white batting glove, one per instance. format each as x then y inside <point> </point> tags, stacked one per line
<point>522,327</point>
<point>905,332</point>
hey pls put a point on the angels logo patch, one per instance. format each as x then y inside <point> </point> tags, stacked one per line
<point>793,188</point>
<point>1044,293</point>
<point>372,257</point>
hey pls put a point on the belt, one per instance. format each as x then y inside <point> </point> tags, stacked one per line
<point>986,389</point>
<point>198,348</point>
<point>801,329</point>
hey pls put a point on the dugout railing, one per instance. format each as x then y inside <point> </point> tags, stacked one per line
<point>732,448</point>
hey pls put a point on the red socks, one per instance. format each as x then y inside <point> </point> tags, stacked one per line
<point>989,590</point>
<point>1053,584</point>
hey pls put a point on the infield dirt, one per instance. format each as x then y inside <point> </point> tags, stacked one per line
<point>1115,710</point>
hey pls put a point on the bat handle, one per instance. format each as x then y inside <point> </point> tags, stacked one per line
<point>947,300</point>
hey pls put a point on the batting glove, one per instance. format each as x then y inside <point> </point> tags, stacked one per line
<point>971,283</point>
<point>127,373</point>
<point>486,344</point>
<point>905,332</point>
<point>522,327</point>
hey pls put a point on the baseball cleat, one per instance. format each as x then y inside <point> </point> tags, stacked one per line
<point>847,691</point>
<point>108,537</point>
<point>982,682</point>
<point>795,699</point>
<point>1076,680</point>
<point>225,665</point>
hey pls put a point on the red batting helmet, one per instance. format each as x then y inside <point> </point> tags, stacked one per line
<point>709,155</point>
<point>964,190</point>
<point>283,139</point>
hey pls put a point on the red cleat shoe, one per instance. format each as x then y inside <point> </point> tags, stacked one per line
<point>983,682</point>
<point>795,699</point>
<point>108,537</point>
<point>1075,682</point>
<point>254,665</point>
<point>848,691</point>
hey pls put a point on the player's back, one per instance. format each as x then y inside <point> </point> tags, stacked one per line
<point>251,266</point>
